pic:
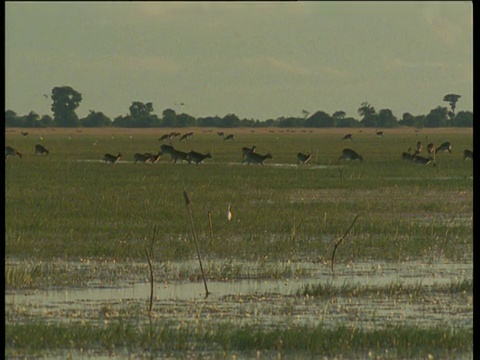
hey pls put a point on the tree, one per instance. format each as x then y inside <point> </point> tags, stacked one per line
<point>185,120</point>
<point>230,120</point>
<point>463,119</point>
<point>31,119</point>
<point>65,101</point>
<point>452,100</point>
<point>339,115</point>
<point>96,119</point>
<point>386,119</point>
<point>320,119</point>
<point>11,118</point>
<point>437,117</point>
<point>366,110</point>
<point>169,118</point>
<point>139,109</point>
<point>45,121</point>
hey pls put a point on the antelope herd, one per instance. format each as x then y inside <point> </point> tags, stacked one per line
<point>250,155</point>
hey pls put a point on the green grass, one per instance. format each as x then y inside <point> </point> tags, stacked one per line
<point>58,207</point>
<point>166,338</point>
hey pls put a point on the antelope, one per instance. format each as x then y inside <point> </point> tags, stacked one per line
<point>409,157</point>
<point>446,146</point>
<point>9,151</point>
<point>431,148</point>
<point>109,158</point>
<point>419,147</point>
<point>142,158</point>
<point>186,136</point>
<point>40,150</point>
<point>467,154</point>
<point>349,154</point>
<point>256,158</point>
<point>220,133</point>
<point>178,155</point>
<point>246,150</point>
<point>379,133</point>
<point>196,157</point>
<point>303,158</point>
<point>24,133</point>
<point>164,137</point>
<point>422,160</point>
<point>348,137</point>
<point>166,149</point>
<point>229,137</point>
<point>154,157</point>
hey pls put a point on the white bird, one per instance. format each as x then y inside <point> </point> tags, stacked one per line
<point>229,213</point>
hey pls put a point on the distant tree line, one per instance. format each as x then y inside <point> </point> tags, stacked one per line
<point>66,100</point>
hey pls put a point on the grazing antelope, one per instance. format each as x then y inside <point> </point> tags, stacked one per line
<point>229,137</point>
<point>40,150</point>
<point>349,154</point>
<point>419,147</point>
<point>220,133</point>
<point>467,154</point>
<point>422,160</point>
<point>303,158</point>
<point>409,157</point>
<point>246,150</point>
<point>196,157</point>
<point>186,136</point>
<point>431,148</point>
<point>256,158</point>
<point>379,133</point>
<point>178,155</point>
<point>24,133</point>
<point>164,137</point>
<point>348,137</point>
<point>446,146</point>
<point>9,151</point>
<point>109,158</point>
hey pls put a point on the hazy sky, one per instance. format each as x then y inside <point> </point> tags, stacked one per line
<point>259,60</point>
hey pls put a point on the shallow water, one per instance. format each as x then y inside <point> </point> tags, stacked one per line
<point>265,301</point>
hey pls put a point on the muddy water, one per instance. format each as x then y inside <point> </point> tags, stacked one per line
<point>269,302</point>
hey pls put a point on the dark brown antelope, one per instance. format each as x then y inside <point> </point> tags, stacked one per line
<point>109,158</point>
<point>348,137</point>
<point>379,133</point>
<point>256,158</point>
<point>422,160</point>
<point>40,150</point>
<point>166,149</point>
<point>178,155</point>
<point>186,136</point>
<point>446,146</point>
<point>246,150</point>
<point>407,156</point>
<point>196,157</point>
<point>467,154</point>
<point>303,158</point>
<point>349,154</point>
<point>229,137</point>
<point>164,137</point>
<point>144,158</point>
<point>154,157</point>
<point>9,151</point>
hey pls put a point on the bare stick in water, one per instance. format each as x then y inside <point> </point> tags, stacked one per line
<point>340,240</point>
<point>149,258</point>
<point>187,202</point>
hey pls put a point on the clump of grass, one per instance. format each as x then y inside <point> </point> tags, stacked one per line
<point>162,337</point>
<point>394,289</point>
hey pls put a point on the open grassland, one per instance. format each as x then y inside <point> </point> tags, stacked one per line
<point>72,205</point>
<point>74,222</point>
